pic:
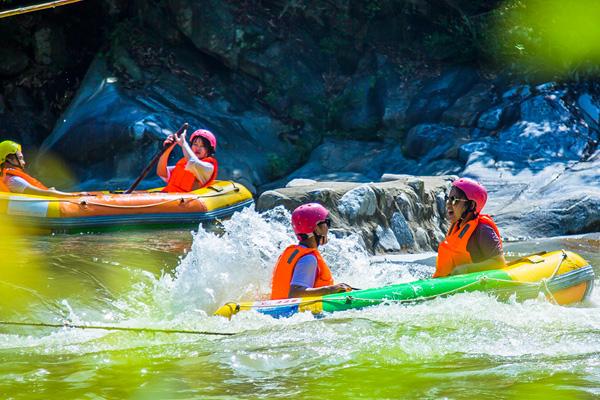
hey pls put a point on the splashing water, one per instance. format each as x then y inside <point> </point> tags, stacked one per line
<point>238,264</point>
<point>439,348</point>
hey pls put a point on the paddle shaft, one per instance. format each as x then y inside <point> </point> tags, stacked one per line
<point>154,161</point>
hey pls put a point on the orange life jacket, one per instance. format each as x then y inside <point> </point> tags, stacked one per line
<point>182,180</point>
<point>453,252</point>
<point>284,270</point>
<point>8,171</point>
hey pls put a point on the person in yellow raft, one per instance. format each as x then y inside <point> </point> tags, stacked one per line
<point>473,242</point>
<point>13,177</point>
<point>301,271</point>
<point>197,169</point>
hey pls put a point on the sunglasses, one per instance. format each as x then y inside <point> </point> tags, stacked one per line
<point>453,200</point>
<point>325,221</point>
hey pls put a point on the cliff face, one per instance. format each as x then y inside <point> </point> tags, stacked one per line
<point>339,90</point>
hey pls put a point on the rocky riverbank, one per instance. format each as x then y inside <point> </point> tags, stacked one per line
<point>330,93</point>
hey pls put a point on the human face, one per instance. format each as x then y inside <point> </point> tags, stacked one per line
<point>17,159</point>
<point>456,204</point>
<point>198,148</point>
<point>322,229</point>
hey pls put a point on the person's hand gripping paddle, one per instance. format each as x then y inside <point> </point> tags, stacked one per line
<point>135,184</point>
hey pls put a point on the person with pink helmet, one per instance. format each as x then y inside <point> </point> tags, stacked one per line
<point>473,242</point>
<point>301,271</point>
<point>197,169</point>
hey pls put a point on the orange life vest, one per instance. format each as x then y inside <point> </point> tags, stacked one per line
<point>182,180</point>
<point>8,171</point>
<point>284,270</point>
<point>453,252</point>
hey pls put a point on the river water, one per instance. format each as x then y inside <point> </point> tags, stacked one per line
<point>465,346</point>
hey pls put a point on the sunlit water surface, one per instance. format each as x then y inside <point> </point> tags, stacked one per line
<point>465,346</point>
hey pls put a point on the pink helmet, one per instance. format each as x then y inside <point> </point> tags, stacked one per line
<point>473,190</point>
<point>208,135</point>
<point>306,218</point>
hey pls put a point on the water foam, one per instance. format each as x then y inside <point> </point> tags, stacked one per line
<point>237,264</point>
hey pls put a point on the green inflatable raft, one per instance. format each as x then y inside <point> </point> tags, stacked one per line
<point>562,276</point>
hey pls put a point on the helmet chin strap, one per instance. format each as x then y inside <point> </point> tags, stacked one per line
<point>466,213</point>
<point>319,239</point>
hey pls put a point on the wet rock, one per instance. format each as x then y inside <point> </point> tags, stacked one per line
<point>14,60</point>
<point>438,94</point>
<point>383,226</point>
<point>549,141</point>
<point>590,108</point>
<point>422,239</point>
<point>546,87</point>
<point>557,198</point>
<point>300,182</point>
<point>466,110</point>
<point>364,109</point>
<point>467,149</point>
<point>271,198</point>
<point>360,202</point>
<point>386,239</point>
<point>491,119</point>
<point>423,138</point>
<point>50,46</point>
<point>541,109</point>
<point>518,93</point>
<point>454,81</point>
<point>404,235</point>
<point>117,129</point>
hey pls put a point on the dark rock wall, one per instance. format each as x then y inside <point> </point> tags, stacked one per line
<point>339,90</point>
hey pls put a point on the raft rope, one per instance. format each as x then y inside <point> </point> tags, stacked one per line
<point>84,203</point>
<point>542,285</point>
<point>36,7</point>
<point>116,328</point>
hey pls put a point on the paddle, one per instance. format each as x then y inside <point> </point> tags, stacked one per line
<point>154,161</point>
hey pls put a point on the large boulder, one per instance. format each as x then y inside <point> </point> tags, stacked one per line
<point>401,214</point>
<point>117,128</point>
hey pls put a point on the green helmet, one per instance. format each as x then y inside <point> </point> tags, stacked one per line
<point>8,147</point>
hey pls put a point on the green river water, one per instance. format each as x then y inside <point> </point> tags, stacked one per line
<point>465,346</point>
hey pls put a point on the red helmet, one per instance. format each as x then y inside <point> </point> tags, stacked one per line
<point>473,190</point>
<point>306,218</point>
<point>208,135</point>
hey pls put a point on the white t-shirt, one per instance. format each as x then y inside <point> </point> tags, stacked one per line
<point>16,184</point>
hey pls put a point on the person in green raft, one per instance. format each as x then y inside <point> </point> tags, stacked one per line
<point>473,242</point>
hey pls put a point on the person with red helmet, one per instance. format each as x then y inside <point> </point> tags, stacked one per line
<point>473,242</point>
<point>197,169</point>
<point>301,270</point>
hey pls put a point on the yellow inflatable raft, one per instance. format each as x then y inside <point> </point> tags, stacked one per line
<point>110,211</point>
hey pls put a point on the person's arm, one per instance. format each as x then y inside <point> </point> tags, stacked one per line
<point>202,170</point>
<point>19,185</point>
<point>299,291</point>
<point>490,246</point>
<point>304,277</point>
<point>52,192</point>
<point>161,167</point>
<point>491,263</point>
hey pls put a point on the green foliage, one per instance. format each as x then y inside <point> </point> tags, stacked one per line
<point>547,37</point>
<point>277,166</point>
